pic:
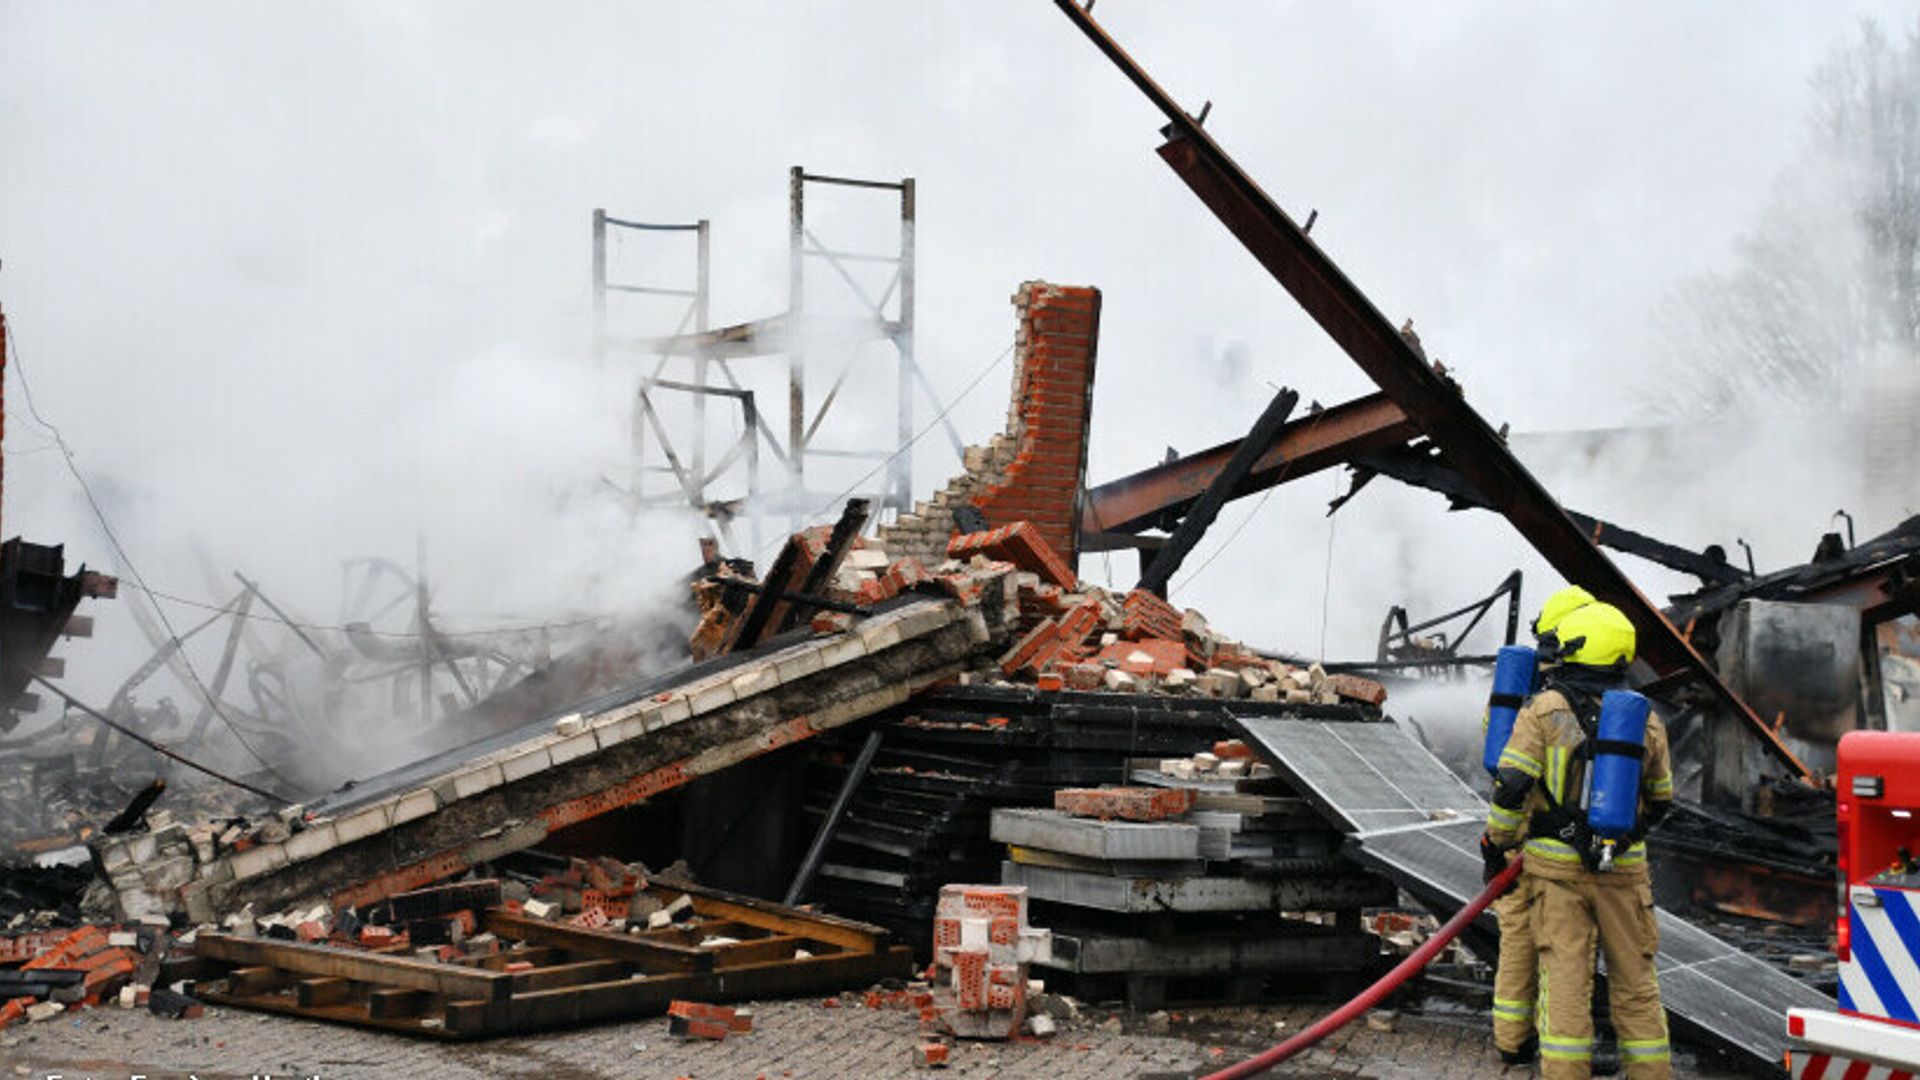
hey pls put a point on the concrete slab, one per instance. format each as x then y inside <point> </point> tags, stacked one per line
<point>1143,895</point>
<point>1052,830</point>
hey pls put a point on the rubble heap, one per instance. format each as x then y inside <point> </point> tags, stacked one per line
<point>1071,635</point>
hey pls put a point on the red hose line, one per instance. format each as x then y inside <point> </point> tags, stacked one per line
<point>1371,996</point>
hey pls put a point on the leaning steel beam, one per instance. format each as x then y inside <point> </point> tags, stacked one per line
<point>1200,516</point>
<point>1323,438</point>
<point>1430,399</point>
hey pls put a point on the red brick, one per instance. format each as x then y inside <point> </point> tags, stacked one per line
<point>1146,615</point>
<point>1356,688</point>
<point>1125,803</point>
<point>830,622</point>
<point>970,978</point>
<point>1084,676</point>
<point>1164,656</point>
<point>13,1009</point>
<point>931,1055</point>
<point>906,573</point>
<point>1020,544</point>
<point>700,1010</point>
<point>1021,656</point>
<point>1050,681</point>
<point>686,1028</point>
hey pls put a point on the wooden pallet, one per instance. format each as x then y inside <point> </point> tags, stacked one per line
<point>579,975</point>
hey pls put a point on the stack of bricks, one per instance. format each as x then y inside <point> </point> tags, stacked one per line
<point>1033,471</point>
<point>1124,803</point>
<point>981,948</point>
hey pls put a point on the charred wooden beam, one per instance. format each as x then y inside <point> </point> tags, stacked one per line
<point>1200,516</point>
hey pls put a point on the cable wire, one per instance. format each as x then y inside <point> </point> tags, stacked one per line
<point>157,748</point>
<point>1279,479</point>
<point>66,455</point>
<point>901,449</point>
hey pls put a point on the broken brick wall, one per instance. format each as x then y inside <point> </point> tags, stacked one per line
<point>1034,470</point>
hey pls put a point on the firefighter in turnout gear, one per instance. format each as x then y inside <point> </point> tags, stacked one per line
<point>1516,976</point>
<point>1581,888</point>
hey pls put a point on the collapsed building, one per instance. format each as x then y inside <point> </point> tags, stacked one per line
<point>902,694</point>
<point>872,718</point>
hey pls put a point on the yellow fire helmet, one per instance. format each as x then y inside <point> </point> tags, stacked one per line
<point>1559,606</point>
<point>1598,635</point>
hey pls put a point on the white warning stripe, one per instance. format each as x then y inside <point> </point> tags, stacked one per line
<point>1860,995</point>
<point>1894,951</point>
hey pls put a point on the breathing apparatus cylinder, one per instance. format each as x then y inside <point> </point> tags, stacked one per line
<point>1513,672</point>
<point>1613,799</point>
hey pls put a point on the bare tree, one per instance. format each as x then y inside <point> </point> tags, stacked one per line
<point>1826,288</point>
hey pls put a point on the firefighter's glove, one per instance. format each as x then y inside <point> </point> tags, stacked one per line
<point>1493,860</point>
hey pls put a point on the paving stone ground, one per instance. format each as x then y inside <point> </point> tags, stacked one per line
<point>792,1040</point>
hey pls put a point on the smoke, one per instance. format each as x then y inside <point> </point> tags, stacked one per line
<point>301,284</point>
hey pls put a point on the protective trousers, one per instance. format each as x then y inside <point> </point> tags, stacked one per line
<point>1569,917</point>
<point>1516,980</point>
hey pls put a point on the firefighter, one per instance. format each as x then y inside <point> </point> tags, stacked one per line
<point>1581,891</point>
<point>1516,976</point>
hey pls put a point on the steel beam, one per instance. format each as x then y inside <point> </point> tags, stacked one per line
<point>1412,466</point>
<point>1324,438</point>
<point>1429,398</point>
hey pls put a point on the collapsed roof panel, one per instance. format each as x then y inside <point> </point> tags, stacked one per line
<point>431,819</point>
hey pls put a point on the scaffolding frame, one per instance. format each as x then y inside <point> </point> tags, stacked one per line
<point>805,336</point>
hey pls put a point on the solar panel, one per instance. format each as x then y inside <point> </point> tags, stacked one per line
<point>1410,818</point>
<point>1368,775</point>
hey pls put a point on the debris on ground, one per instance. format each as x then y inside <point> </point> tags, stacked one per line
<point>982,946</point>
<point>49,972</point>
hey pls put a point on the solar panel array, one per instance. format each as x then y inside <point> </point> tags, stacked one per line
<point>1412,819</point>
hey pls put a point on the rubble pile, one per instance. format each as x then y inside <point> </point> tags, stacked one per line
<point>49,972</point>
<point>442,923</point>
<point>1066,634</point>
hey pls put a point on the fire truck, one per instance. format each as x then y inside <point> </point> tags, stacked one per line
<point>1875,1034</point>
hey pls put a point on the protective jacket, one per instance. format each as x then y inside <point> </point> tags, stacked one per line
<point>1542,770</point>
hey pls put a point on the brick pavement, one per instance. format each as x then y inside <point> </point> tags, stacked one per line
<point>792,1040</point>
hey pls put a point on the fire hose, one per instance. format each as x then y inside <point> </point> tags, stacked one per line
<point>1386,984</point>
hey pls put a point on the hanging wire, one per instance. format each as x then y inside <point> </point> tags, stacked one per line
<point>1326,580</point>
<point>1281,478</point>
<point>859,484</point>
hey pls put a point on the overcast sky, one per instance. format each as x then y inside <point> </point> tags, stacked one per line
<point>306,281</point>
